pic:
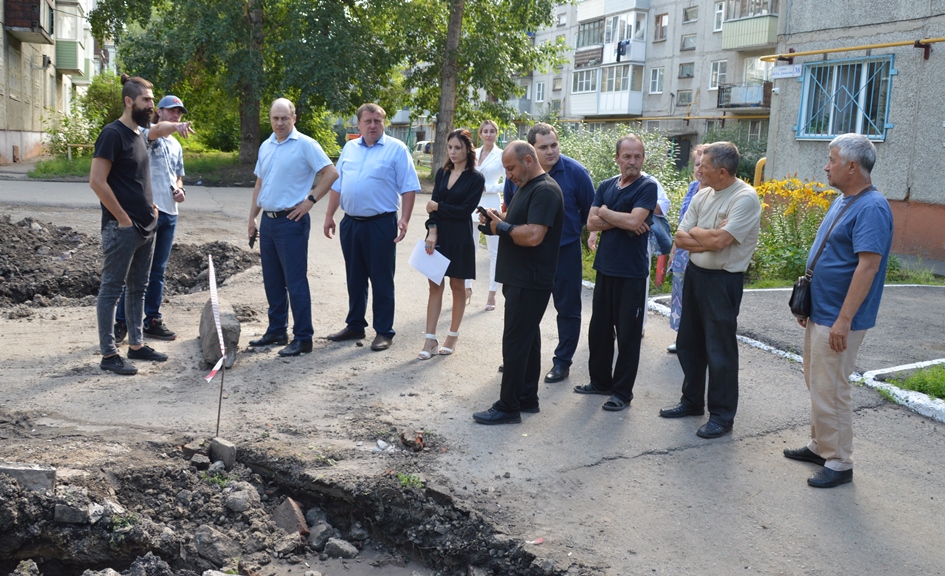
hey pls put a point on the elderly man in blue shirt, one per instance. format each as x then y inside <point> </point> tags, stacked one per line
<point>285,170</point>
<point>375,172</point>
<point>578,191</point>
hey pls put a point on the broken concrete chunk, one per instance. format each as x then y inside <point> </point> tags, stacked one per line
<point>338,548</point>
<point>358,533</point>
<point>210,341</point>
<point>196,447</point>
<point>217,468</point>
<point>72,505</point>
<point>214,546</point>
<point>289,517</point>
<point>241,496</point>
<point>200,461</point>
<point>30,476</point>
<point>314,515</point>
<point>224,451</point>
<point>319,535</point>
<point>287,544</point>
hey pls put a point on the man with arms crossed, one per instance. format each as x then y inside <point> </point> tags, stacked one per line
<point>846,289</point>
<point>285,170</point>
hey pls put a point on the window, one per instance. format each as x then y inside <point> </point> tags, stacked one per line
<point>636,78</point>
<point>684,97</point>
<point>713,125</point>
<point>662,27</point>
<point>656,81</point>
<point>687,70</point>
<point>555,105</point>
<point>557,84</point>
<point>756,71</point>
<point>719,74</point>
<point>687,42</point>
<point>757,129</point>
<point>615,78</point>
<point>850,95</point>
<point>528,91</point>
<point>746,8</point>
<point>690,14</point>
<point>590,33</point>
<point>584,81</point>
<point>595,126</point>
<point>562,19</point>
<point>652,125</point>
<point>719,16</point>
<point>539,91</point>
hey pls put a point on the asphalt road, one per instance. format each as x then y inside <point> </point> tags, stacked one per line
<point>612,493</point>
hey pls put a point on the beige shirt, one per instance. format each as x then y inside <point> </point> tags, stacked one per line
<point>739,205</point>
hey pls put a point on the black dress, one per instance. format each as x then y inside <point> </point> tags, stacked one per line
<point>454,236</point>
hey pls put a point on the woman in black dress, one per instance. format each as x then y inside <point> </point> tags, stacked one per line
<point>456,193</point>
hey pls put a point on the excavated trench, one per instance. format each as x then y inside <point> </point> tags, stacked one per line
<point>265,515</point>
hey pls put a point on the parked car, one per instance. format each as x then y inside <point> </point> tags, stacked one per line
<point>423,153</point>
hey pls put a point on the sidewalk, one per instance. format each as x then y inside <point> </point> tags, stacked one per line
<point>19,170</point>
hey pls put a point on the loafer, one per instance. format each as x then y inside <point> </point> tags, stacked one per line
<point>146,353</point>
<point>493,416</point>
<point>297,347</point>
<point>381,342</point>
<point>346,334</point>
<point>681,410</point>
<point>804,454</point>
<point>268,339</point>
<point>118,365</point>
<point>557,374</point>
<point>712,430</point>
<point>827,478</point>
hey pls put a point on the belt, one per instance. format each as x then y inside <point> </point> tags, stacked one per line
<point>374,217</point>
<point>278,213</point>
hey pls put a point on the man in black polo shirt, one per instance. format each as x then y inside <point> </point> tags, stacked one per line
<point>529,235</point>
<point>621,207</point>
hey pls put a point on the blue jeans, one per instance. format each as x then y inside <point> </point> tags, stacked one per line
<point>154,295</point>
<point>127,259</point>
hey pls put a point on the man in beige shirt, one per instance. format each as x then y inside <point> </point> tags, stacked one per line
<point>720,230</point>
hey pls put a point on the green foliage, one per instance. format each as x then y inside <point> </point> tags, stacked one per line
<point>217,479</point>
<point>409,480</point>
<point>63,129</point>
<point>887,396</point>
<point>203,162</point>
<point>102,104</point>
<point>751,150</point>
<point>59,167</point>
<point>929,381</point>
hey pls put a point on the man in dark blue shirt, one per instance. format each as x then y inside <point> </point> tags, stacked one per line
<point>578,191</point>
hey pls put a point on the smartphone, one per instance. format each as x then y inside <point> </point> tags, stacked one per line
<point>252,239</point>
<point>484,212</point>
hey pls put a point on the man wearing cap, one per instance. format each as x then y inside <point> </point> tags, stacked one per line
<point>167,169</point>
<point>285,171</point>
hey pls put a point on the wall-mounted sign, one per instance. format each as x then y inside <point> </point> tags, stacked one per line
<point>786,71</point>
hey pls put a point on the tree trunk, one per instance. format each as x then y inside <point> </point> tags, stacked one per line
<point>444,118</point>
<point>248,86</point>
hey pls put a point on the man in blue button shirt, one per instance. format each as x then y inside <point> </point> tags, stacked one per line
<point>285,170</point>
<point>578,190</point>
<point>374,172</point>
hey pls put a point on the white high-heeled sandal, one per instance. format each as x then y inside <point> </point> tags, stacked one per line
<point>444,351</point>
<point>424,354</point>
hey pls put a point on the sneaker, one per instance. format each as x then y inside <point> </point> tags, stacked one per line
<point>155,328</point>
<point>146,353</point>
<point>121,330</point>
<point>118,365</point>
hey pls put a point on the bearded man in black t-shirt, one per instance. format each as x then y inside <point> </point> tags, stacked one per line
<point>121,178</point>
<point>529,236</point>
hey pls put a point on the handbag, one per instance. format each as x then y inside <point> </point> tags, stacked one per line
<point>800,301</point>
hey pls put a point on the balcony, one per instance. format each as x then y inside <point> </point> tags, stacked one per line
<point>750,33</point>
<point>29,21</point>
<point>523,105</point>
<point>70,57</point>
<point>750,97</point>
<point>589,9</point>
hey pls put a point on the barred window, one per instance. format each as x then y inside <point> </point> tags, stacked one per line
<point>850,95</point>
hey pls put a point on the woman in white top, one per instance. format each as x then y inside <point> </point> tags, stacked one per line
<point>489,164</point>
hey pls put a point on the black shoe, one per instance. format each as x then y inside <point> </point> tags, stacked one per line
<point>146,353</point>
<point>270,340</point>
<point>557,374</point>
<point>381,342</point>
<point>804,455</point>
<point>530,409</point>
<point>346,334</point>
<point>155,328</point>
<point>827,478</point>
<point>590,389</point>
<point>121,330</point>
<point>297,347</point>
<point>712,430</point>
<point>118,365</point>
<point>681,410</point>
<point>501,367</point>
<point>493,416</point>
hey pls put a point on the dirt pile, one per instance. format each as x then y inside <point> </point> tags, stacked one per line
<point>47,264</point>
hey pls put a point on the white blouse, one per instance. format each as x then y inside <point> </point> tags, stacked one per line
<point>492,170</point>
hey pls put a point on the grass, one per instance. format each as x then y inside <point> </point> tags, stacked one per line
<point>61,167</point>
<point>410,481</point>
<point>929,381</point>
<point>206,165</point>
<point>209,161</point>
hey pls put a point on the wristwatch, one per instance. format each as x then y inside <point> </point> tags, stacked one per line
<point>311,199</point>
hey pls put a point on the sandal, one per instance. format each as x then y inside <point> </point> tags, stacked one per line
<point>426,354</point>
<point>589,389</point>
<point>614,404</point>
<point>444,351</point>
<point>468,296</point>
<point>490,307</point>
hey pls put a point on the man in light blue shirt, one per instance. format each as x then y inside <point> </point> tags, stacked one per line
<point>285,169</point>
<point>374,172</point>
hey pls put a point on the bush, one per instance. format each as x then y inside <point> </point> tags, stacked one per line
<point>102,104</point>
<point>791,214</point>
<point>751,150</point>
<point>63,129</point>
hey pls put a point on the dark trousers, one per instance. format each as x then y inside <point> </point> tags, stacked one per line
<point>521,347</point>
<point>567,297</point>
<point>127,260</point>
<point>711,299</point>
<point>283,247</point>
<point>370,254</point>
<point>154,295</point>
<point>619,306</point>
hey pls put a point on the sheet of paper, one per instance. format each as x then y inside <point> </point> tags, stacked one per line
<point>433,266</point>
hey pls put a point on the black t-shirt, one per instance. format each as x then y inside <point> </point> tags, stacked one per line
<point>537,202</point>
<point>130,175</point>
<point>621,253</point>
